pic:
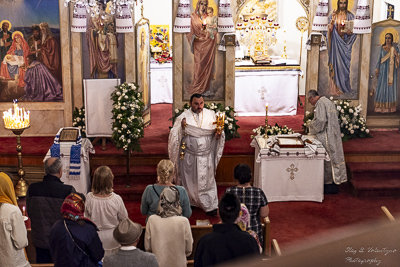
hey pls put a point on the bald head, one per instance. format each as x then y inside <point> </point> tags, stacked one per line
<point>53,166</point>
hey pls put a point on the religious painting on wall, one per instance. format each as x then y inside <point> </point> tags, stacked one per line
<point>102,46</point>
<point>384,71</point>
<point>159,38</point>
<point>30,51</point>
<point>203,64</point>
<point>339,64</point>
<point>143,65</point>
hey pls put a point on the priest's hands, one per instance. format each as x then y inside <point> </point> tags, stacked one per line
<point>217,135</point>
<point>183,123</point>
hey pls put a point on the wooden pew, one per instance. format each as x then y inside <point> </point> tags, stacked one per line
<point>197,232</point>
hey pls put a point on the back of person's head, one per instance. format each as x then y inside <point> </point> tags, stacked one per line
<point>103,181</point>
<point>165,170</point>
<point>7,193</point>
<point>73,207</point>
<point>169,203</point>
<point>242,173</point>
<point>312,93</point>
<point>127,232</point>
<point>229,208</point>
<point>52,166</point>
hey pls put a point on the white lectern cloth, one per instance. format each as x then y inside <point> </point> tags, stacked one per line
<point>81,185</point>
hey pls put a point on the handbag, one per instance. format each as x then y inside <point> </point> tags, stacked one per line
<point>88,261</point>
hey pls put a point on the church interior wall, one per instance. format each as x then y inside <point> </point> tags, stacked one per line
<point>50,116</point>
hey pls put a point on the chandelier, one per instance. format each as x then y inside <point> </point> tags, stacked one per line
<point>97,7</point>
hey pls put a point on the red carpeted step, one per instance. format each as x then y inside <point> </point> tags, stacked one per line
<point>375,179</point>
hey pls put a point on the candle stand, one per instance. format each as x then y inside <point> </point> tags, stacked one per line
<point>22,186</point>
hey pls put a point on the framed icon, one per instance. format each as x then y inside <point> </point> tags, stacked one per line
<point>69,135</point>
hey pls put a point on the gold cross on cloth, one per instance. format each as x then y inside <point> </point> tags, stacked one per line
<point>292,170</point>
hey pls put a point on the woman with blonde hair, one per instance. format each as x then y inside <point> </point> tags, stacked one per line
<point>151,195</point>
<point>13,234</point>
<point>105,208</point>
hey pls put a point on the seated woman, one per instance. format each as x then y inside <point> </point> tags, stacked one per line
<point>151,195</point>
<point>105,208</point>
<point>13,234</point>
<point>168,233</point>
<point>14,63</point>
<point>74,241</point>
<point>253,197</point>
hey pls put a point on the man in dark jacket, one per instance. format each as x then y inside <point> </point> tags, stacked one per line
<point>227,241</point>
<point>44,200</point>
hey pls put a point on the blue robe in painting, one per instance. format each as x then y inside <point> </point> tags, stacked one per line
<point>386,93</point>
<point>340,56</point>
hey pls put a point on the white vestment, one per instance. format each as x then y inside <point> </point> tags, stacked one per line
<point>325,126</point>
<point>196,171</point>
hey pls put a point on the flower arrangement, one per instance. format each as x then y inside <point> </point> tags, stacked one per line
<point>272,130</point>
<point>231,127</point>
<point>352,124</point>
<point>79,120</point>
<point>127,117</point>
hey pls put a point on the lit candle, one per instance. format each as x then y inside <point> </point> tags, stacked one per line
<point>266,109</point>
<point>23,210</point>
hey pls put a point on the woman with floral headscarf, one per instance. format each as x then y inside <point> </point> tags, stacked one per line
<point>14,64</point>
<point>74,240</point>
<point>12,228</point>
<point>168,233</point>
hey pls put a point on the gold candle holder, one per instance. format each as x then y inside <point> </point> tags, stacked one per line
<point>182,153</point>
<point>220,122</point>
<point>266,120</point>
<point>17,123</point>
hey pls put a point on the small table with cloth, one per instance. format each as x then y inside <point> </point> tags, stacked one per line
<point>291,174</point>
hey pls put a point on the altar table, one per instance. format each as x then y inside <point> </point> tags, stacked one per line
<point>291,175</point>
<point>161,83</point>
<point>81,185</point>
<point>276,85</point>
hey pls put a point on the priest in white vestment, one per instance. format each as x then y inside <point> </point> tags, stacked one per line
<point>325,126</point>
<point>202,151</point>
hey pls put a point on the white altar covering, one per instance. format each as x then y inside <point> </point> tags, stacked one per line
<point>83,184</point>
<point>161,83</point>
<point>275,84</point>
<point>291,175</point>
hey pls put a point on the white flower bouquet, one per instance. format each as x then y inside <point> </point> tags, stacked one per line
<point>127,117</point>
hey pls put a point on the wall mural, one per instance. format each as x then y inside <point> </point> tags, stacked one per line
<point>143,65</point>
<point>30,68</point>
<point>338,65</point>
<point>384,72</point>
<point>201,57</point>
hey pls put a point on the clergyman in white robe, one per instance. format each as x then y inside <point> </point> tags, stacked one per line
<point>196,171</point>
<point>325,126</point>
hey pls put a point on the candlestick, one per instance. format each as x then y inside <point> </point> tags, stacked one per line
<point>23,210</point>
<point>266,120</point>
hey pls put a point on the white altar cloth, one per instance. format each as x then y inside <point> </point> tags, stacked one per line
<point>291,175</point>
<point>161,83</point>
<point>83,184</point>
<point>278,88</point>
